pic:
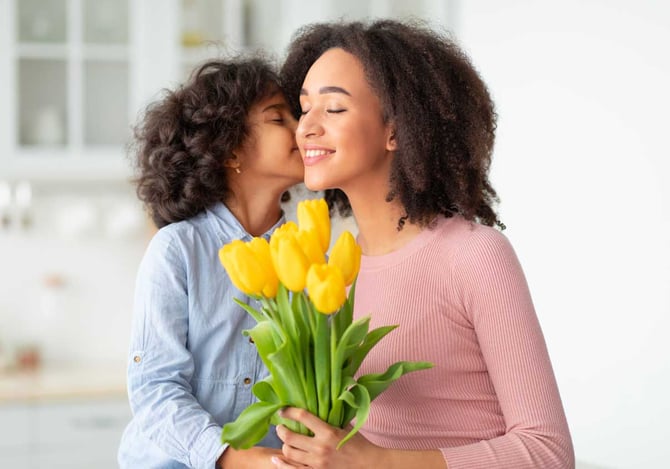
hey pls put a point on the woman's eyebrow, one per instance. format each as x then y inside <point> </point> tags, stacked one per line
<point>326,90</point>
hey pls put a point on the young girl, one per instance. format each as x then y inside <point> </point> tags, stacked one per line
<point>214,158</point>
<point>396,117</point>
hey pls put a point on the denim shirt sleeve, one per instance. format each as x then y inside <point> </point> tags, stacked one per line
<point>160,366</point>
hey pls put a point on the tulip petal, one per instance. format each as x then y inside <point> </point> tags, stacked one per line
<point>346,254</point>
<point>326,288</point>
<point>314,214</point>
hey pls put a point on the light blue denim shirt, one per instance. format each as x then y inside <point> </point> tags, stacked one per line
<point>190,369</point>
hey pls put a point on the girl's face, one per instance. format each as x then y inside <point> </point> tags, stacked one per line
<point>341,134</point>
<point>270,154</point>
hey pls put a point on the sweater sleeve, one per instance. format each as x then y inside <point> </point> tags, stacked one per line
<point>489,281</point>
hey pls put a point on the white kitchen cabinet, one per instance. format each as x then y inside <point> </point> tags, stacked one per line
<point>62,433</point>
<point>76,74</point>
<point>67,69</point>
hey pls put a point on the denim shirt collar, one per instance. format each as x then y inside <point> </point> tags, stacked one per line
<point>228,228</point>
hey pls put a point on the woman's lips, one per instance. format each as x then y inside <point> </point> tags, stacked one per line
<point>314,155</point>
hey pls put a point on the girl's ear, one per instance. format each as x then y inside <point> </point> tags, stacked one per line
<point>233,163</point>
<point>391,142</point>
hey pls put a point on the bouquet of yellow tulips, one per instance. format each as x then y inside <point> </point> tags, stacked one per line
<point>305,333</point>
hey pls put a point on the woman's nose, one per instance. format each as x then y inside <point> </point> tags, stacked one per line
<point>308,126</point>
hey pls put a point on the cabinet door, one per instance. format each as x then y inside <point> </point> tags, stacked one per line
<point>15,427</point>
<point>16,436</point>
<point>82,434</point>
<point>68,68</point>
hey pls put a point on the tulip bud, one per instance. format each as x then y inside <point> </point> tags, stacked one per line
<point>289,260</point>
<point>244,269</point>
<point>310,244</point>
<point>261,249</point>
<point>325,287</point>
<point>313,214</point>
<point>346,254</point>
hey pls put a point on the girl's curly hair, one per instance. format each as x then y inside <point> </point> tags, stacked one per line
<point>444,116</point>
<point>184,138</point>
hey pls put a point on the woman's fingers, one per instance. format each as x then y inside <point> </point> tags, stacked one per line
<point>324,434</point>
<point>308,419</point>
<point>313,451</point>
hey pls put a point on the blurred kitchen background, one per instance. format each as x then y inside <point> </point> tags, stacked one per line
<point>581,165</point>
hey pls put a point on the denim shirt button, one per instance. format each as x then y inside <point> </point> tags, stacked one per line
<point>247,380</point>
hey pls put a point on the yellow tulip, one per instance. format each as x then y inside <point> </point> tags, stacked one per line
<point>289,260</point>
<point>244,269</point>
<point>325,287</point>
<point>261,249</point>
<point>310,244</point>
<point>346,254</point>
<point>313,214</point>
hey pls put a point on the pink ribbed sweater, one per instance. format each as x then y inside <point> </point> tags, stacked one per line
<point>462,302</point>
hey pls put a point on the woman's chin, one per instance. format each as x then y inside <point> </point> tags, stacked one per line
<point>316,184</point>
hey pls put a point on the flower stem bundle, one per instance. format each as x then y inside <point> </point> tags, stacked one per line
<point>305,333</point>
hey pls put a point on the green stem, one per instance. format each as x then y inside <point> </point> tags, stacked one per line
<point>322,365</point>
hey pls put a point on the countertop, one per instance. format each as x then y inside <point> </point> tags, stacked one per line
<point>50,383</point>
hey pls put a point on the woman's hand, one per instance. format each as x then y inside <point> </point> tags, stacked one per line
<point>319,451</point>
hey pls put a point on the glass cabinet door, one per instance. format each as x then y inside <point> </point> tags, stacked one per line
<point>105,72</point>
<point>72,69</point>
<point>208,29</point>
<point>41,72</point>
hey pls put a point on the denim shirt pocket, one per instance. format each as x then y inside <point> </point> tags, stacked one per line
<point>224,399</point>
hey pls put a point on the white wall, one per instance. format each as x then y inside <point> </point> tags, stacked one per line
<point>582,167</point>
<point>67,279</point>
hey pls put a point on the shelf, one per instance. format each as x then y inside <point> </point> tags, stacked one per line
<point>106,52</point>
<point>88,163</point>
<point>41,50</point>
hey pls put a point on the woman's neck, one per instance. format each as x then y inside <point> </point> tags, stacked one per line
<point>378,222</point>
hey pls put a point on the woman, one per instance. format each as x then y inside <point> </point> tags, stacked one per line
<point>395,116</point>
<point>214,158</point>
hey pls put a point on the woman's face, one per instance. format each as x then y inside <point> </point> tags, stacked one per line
<point>341,134</point>
<point>270,154</point>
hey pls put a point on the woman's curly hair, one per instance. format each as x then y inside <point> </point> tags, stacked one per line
<point>443,114</point>
<point>184,138</point>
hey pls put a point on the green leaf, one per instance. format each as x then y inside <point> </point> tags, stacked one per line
<point>344,316</point>
<point>264,336</point>
<point>376,383</point>
<point>290,385</point>
<point>351,339</point>
<point>251,310</point>
<point>264,391</point>
<point>349,402</point>
<point>370,341</point>
<point>250,426</point>
<point>361,402</point>
<point>285,314</point>
<point>300,314</point>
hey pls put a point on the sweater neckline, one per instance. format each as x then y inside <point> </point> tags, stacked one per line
<point>424,237</point>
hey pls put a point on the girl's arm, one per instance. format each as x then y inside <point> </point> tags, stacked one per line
<point>160,366</point>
